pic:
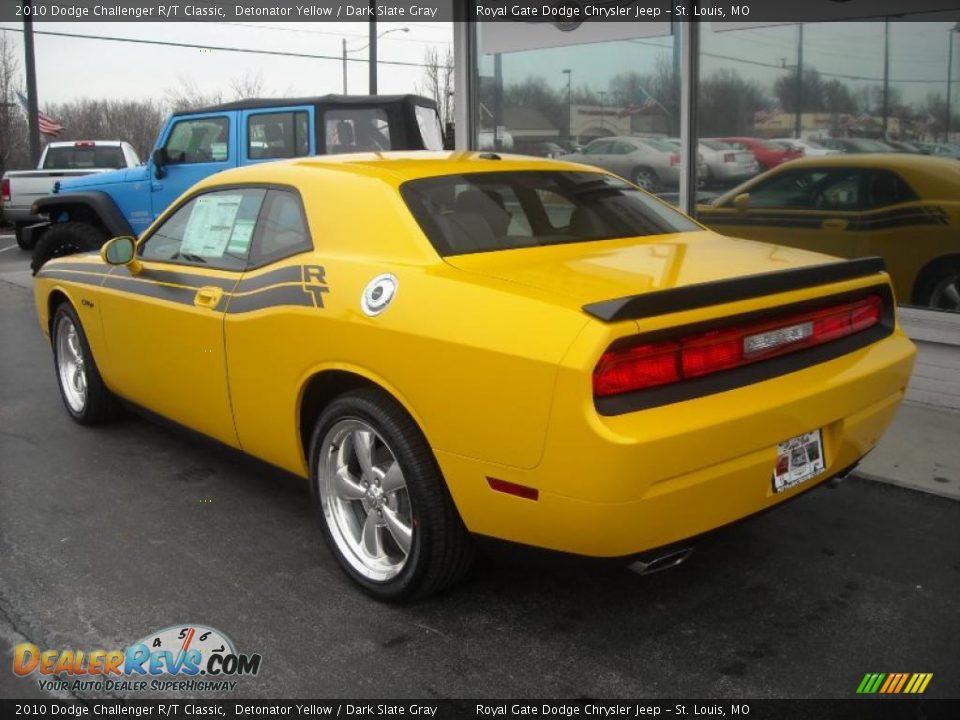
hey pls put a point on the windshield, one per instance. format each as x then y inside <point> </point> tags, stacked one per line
<point>483,212</point>
<point>86,156</point>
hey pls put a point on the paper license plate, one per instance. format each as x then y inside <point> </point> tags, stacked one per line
<point>798,459</point>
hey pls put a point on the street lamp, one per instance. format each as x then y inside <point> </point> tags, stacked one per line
<point>343,46</point>
<point>569,73</point>
<point>954,29</point>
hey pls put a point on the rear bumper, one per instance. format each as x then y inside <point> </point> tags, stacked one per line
<point>732,171</point>
<point>616,486</point>
<point>20,214</point>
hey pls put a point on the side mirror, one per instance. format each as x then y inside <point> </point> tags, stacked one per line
<point>121,251</point>
<point>742,201</point>
<point>159,163</point>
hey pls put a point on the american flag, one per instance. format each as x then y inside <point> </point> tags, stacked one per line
<point>48,126</point>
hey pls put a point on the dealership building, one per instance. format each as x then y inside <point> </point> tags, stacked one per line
<point>549,87</point>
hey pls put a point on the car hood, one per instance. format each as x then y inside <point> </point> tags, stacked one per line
<point>111,177</point>
<point>603,270</point>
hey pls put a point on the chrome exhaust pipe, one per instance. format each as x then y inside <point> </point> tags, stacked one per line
<point>655,563</point>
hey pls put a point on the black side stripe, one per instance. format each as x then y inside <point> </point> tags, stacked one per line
<point>904,217</point>
<point>302,286</point>
<point>289,274</point>
<point>96,268</point>
<point>705,294</point>
<point>172,293</point>
<point>177,278</point>
<point>295,295</point>
<point>75,276</point>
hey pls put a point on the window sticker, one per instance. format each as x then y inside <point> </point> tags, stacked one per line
<point>211,225</point>
<point>240,237</point>
<point>218,151</point>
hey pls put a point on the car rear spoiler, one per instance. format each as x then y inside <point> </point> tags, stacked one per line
<point>698,295</point>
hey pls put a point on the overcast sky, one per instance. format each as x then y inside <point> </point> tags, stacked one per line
<point>69,68</point>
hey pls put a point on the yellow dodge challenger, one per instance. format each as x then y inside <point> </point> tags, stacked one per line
<point>902,208</point>
<point>450,345</point>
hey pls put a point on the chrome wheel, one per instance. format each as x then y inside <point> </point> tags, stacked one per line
<point>71,367</point>
<point>365,500</point>
<point>946,293</point>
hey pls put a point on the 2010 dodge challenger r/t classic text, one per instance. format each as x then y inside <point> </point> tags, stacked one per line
<point>462,344</point>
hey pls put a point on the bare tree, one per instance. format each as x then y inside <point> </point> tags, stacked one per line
<point>246,86</point>
<point>437,81</point>
<point>136,121</point>
<point>187,96</point>
<point>14,143</point>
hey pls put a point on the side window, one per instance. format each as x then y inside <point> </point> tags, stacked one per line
<point>277,135</point>
<point>213,230</point>
<point>356,130</point>
<point>885,188</point>
<point>282,231</point>
<point>598,147</point>
<point>797,189</point>
<point>199,141</point>
<point>622,148</point>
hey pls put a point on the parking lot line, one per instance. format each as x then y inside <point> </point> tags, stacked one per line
<point>11,247</point>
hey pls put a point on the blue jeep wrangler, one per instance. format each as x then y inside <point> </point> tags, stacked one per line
<point>87,211</point>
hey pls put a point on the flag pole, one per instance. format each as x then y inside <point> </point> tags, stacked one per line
<point>33,118</point>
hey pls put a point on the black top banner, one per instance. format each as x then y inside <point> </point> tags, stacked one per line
<point>450,709</point>
<point>562,13</point>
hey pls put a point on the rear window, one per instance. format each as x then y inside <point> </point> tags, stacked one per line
<point>484,212</point>
<point>77,158</point>
<point>430,129</point>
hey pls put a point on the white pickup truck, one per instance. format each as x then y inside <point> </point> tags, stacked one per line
<point>59,160</point>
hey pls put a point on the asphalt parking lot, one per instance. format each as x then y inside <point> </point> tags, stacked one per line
<point>109,534</point>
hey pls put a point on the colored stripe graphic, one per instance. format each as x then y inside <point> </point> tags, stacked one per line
<point>894,683</point>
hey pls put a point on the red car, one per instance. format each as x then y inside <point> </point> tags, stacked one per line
<point>768,154</point>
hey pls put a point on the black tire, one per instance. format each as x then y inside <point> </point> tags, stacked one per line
<point>441,549</point>
<point>645,179</point>
<point>64,239</point>
<point>939,286</point>
<point>100,404</point>
<point>21,241</point>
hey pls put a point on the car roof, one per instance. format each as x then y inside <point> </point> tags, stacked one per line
<point>350,100</point>
<point>394,167</point>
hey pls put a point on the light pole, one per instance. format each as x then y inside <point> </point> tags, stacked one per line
<point>954,29</point>
<point>602,94</point>
<point>569,73</point>
<point>345,50</point>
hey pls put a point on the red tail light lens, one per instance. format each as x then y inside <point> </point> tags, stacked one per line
<point>675,159</point>
<point>729,157</point>
<point>6,189</point>
<point>639,367</point>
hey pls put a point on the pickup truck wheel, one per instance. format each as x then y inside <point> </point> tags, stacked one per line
<point>66,239</point>
<point>384,507</point>
<point>87,399</point>
<point>21,240</point>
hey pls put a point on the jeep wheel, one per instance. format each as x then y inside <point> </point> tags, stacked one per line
<point>66,239</point>
<point>21,240</point>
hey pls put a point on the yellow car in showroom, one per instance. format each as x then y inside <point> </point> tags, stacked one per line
<point>459,344</point>
<point>903,208</point>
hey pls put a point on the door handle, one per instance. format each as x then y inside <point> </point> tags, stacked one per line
<point>208,297</point>
<point>834,224</point>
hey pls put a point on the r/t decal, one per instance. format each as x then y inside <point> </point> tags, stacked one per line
<point>314,282</point>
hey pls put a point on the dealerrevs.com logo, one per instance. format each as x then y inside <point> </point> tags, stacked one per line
<point>188,658</point>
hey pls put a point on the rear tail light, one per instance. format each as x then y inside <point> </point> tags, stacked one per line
<point>638,367</point>
<point>675,159</point>
<point>6,189</point>
<point>729,157</point>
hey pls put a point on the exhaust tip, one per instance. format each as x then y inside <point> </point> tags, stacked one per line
<point>656,562</point>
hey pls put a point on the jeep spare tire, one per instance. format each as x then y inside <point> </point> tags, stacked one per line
<point>66,239</point>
